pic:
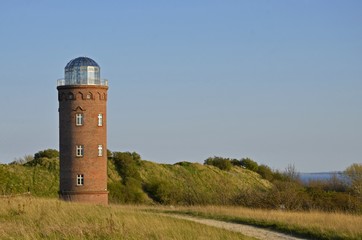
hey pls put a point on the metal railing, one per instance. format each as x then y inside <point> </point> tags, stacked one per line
<point>103,82</point>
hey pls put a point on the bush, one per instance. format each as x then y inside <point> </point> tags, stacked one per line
<point>127,165</point>
<point>249,164</point>
<point>130,189</point>
<point>50,164</point>
<point>48,153</point>
<point>354,173</point>
<point>235,162</point>
<point>265,172</point>
<point>116,192</point>
<point>222,163</point>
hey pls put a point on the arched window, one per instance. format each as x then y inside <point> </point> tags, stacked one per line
<point>100,119</point>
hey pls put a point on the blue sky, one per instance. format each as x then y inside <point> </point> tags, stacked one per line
<point>277,81</point>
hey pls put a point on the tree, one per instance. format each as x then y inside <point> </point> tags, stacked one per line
<point>249,164</point>
<point>48,153</point>
<point>291,173</point>
<point>354,173</point>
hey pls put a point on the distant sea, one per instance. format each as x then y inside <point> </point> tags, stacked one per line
<point>306,177</point>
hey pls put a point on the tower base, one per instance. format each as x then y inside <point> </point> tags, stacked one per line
<point>95,197</point>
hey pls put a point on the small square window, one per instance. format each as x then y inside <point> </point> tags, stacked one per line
<point>79,119</point>
<point>80,180</point>
<point>79,150</point>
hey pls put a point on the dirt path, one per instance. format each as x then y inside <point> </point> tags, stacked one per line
<point>247,230</point>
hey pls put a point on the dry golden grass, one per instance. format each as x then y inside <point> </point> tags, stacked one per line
<point>325,225</point>
<point>34,218</point>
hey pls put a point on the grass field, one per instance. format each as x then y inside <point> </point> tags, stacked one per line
<point>38,218</point>
<point>35,218</point>
<point>316,225</point>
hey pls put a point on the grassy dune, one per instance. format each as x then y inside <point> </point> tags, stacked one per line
<point>40,180</point>
<point>34,218</point>
<point>192,183</point>
<point>316,225</point>
<point>179,184</point>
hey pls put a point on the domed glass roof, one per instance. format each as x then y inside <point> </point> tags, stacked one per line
<point>81,62</point>
<point>82,71</point>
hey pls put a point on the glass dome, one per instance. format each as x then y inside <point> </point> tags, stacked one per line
<point>82,71</point>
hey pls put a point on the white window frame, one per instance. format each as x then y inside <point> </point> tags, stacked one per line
<point>79,150</point>
<point>79,119</point>
<point>100,120</point>
<point>100,150</point>
<point>80,180</point>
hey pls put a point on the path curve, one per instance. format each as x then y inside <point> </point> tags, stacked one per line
<point>247,230</point>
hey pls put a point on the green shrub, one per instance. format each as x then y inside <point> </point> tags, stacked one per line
<point>265,172</point>
<point>48,153</point>
<point>249,164</point>
<point>127,165</point>
<point>219,162</point>
<point>116,192</point>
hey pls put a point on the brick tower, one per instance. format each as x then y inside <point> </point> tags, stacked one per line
<point>82,97</point>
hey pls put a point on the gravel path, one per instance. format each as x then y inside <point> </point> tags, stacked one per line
<point>247,230</point>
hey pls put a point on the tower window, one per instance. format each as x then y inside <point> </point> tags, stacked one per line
<point>79,150</point>
<point>80,180</point>
<point>100,120</point>
<point>100,150</point>
<point>79,119</point>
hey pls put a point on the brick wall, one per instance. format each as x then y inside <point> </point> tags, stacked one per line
<point>88,100</point>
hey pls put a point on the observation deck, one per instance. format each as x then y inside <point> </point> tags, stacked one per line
<point>82,71</point>
<point>62,82</point>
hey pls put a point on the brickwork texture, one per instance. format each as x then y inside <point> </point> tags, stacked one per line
<point>90,101</point>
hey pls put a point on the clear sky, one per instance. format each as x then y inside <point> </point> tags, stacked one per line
<point>277,81</point>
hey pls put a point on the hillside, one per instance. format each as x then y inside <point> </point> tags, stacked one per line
<point>182,183</point>
<point>40,180</point>
<point>192,183</point>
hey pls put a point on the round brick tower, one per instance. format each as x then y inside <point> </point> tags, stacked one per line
<point>82,97</point>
